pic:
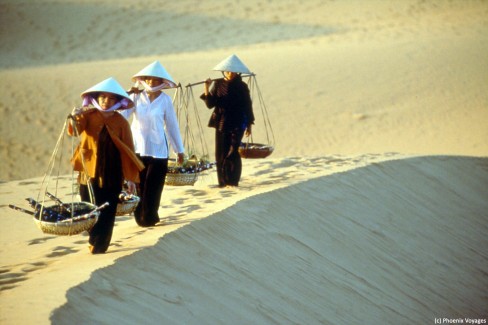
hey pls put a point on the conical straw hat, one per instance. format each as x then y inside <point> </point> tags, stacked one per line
<point>232,64</point>
<point>109,85</point>
<point>155,69</point>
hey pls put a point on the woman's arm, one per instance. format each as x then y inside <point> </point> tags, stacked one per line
<point>77,119</point>
<point>208,95</point>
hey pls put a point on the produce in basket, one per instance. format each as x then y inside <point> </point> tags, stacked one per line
<point>127,203</point>
<point>188,172</point>
<point>125,197</point>
<point>60,212</point>
<point>191,165</point>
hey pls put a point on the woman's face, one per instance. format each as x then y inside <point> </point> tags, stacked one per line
<point>153,81</point>
<point>107,100</point>
<point>229,75</point>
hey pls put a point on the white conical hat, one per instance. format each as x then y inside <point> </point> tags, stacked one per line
<point>155,69</point>
<point>109,85</point>
<point>232,64</point>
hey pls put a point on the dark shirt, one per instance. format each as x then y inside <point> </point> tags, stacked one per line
<point>232,104</point>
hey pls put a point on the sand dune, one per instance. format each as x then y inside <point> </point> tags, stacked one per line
<point>372,209</point>
<point>50,265</point>
<point>361,77</point>
<point>395,242</point>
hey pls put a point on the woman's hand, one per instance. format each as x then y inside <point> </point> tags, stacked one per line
<point>76,111</point>
<point>207,84</point>
<point>181,158</point>
<point>131,187</point>
<point>134,90</point>
<point>248,131</point>
<point>72,120</point>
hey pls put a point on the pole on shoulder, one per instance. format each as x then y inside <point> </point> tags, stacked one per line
<point>202,82</point>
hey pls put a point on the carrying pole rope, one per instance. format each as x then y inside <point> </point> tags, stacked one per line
<point>183,102</point>
<point>177,104</point>
<point>88,180</point>
<point>203,141</point>
<point>179,101</point>
<point>264,111</point>
<point>47,175</point>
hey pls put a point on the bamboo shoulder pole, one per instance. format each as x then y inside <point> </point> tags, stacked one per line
<point>202,82</point>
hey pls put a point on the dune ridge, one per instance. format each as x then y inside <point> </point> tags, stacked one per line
<point>35,262</point>
<point>398,241</point>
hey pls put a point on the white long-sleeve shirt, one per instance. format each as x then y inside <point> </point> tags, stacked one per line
<point>148,126</point>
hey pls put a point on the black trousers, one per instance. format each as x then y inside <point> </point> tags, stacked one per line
<point>150,190</point>
<point>101,233</point>
<point>229,162</point>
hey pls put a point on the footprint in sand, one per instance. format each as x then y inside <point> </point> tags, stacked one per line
<point>40,240</point>
<point>28,183</point>
<point>227,193</point>
<point>189,208</point>
<point>281,176</point>
<point>61,251</point>
<point>34,267</point>
<point>178,201</point>
<point>9,278</point>
<point>285,163</point>
<point>140,232</point>
<point>266,183</point>
<point>196,193</point>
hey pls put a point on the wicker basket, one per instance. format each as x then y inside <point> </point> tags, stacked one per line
<point>181,179</point>
<point>255,150</point>
<point>71,226</point>
<point>127,207</point>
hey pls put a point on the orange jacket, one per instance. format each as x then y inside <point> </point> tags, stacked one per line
<point>89,124</point>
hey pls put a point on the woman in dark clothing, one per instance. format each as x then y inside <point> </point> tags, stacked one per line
<point>232,118</point>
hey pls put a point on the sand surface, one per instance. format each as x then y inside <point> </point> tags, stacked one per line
<point>372,209</point>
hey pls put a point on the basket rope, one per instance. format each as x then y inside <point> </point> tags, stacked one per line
<point>182,101</point>
<point>254,88</point>
<point>66,228</point>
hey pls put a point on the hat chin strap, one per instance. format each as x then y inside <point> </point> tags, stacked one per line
<point>150,89</point>
<point>90,100</point>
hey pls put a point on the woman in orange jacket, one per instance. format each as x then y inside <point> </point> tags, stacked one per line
<point>105,155</point>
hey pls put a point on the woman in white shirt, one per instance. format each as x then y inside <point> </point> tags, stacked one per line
<point>152,113</point>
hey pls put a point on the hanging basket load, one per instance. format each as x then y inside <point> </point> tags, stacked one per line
<point>255,150</point>
<point>179,179</point>
<point>127,204</point>
<point>179,176</point>
<point>193,167</point>
<point>62,219</point>
<point>188,172</point>
<point>85,216</point>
